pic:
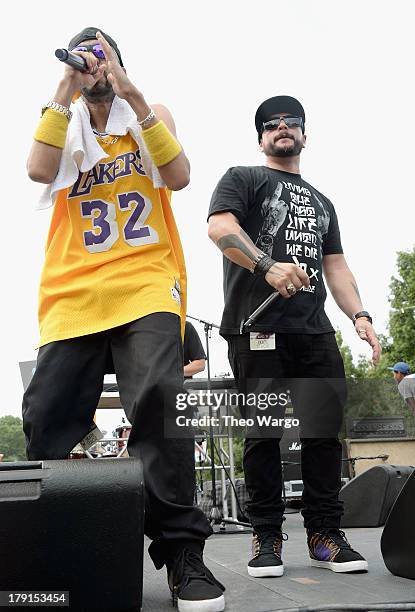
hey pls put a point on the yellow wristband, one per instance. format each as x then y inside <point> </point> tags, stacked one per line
<point>161,144</point>
<point>52,128</point>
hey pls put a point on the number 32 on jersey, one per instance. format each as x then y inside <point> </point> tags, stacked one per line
<point>105,229</point>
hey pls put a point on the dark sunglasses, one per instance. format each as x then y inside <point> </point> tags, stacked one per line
<point>291,122</point>
<point>96,49</point>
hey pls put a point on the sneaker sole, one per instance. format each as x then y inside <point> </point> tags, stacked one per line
<point>272,571</point>
<point>203,605</point>
<point>349,566</point>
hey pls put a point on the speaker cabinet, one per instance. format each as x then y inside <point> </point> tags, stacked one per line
<point>398,537</point>
<point>74,526</point>
<point>368,498</point>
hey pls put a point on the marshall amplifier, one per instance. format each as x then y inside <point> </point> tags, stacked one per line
<point>290,448</point>
<point>76,527</point>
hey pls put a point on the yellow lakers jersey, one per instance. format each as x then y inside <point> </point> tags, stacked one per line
<point>113,253</point>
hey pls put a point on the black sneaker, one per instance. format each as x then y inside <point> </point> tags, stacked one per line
<point>266,554</point>
<point>330,549</point>
<point>193,586</point>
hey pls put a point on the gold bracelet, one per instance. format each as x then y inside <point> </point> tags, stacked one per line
<point>58,107</point>
<point>161,144</point>
<point>52,129</point>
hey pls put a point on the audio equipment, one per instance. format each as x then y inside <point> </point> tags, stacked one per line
<point>76,61</point>
<point>368,498</point>
<point>398,538</point>
<point>74,527</point>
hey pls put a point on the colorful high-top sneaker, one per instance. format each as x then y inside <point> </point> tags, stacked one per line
<point>266,553</point>
<point>330,549</point>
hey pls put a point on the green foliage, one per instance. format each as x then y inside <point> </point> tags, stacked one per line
<point>402,317</point>
<point>400,344</point>
<point>12,439</point>
<point>238,450</point>
<point>346,353</point>
<point>364,369</point>
<point>376,397</point>
<point>372,390</point>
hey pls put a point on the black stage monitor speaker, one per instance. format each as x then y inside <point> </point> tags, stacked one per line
<point>74,526</point>
<point>368,498</point>
<point>398,537</point>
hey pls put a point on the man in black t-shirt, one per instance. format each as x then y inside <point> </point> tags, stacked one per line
<point>277,232</point>
<point>194,357</point>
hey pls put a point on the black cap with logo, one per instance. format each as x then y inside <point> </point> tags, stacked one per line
<point>273,106</point>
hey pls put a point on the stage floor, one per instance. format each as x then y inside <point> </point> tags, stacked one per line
<point>301,585</point>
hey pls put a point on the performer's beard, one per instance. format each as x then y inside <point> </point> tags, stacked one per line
<point>102,91</point>
<point>275,149</point>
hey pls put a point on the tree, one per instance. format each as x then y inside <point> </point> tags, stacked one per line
<point>400,344</point>
<point>370,391</point>
<point>346,353</point>
<point>402,317</point>
<point>12,440</point>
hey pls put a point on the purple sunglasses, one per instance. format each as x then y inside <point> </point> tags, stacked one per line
<point>96,49</point>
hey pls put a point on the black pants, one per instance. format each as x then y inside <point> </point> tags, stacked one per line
<point>60,402</point>
<point>306,363</point>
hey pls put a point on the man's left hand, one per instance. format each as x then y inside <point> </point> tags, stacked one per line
<point>366,332</point>
<point>116,74</point>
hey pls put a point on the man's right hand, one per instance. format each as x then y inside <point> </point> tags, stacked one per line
<point>44,159</point>
<point>77,79</point>
<point>283,275</point>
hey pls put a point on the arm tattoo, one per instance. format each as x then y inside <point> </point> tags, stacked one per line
<point>244,244</point>
<point>241,242</point>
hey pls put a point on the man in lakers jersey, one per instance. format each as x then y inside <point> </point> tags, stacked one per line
<point>114,285</point>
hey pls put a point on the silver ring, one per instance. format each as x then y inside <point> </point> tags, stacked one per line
<point>361,331</point>
<point>291,289</point>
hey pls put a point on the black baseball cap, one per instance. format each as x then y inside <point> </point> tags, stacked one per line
<point>90,33</point>
<point>274,106</point>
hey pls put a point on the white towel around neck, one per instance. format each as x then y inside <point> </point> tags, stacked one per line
<point>82,151</point>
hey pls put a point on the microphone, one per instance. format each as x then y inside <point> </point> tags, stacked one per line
<point>76,61</point>
<point>257,312</point>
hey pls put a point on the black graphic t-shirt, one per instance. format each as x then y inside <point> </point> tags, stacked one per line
<point>290,221</point>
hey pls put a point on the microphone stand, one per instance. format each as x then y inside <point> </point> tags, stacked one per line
<point>215,515</point>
